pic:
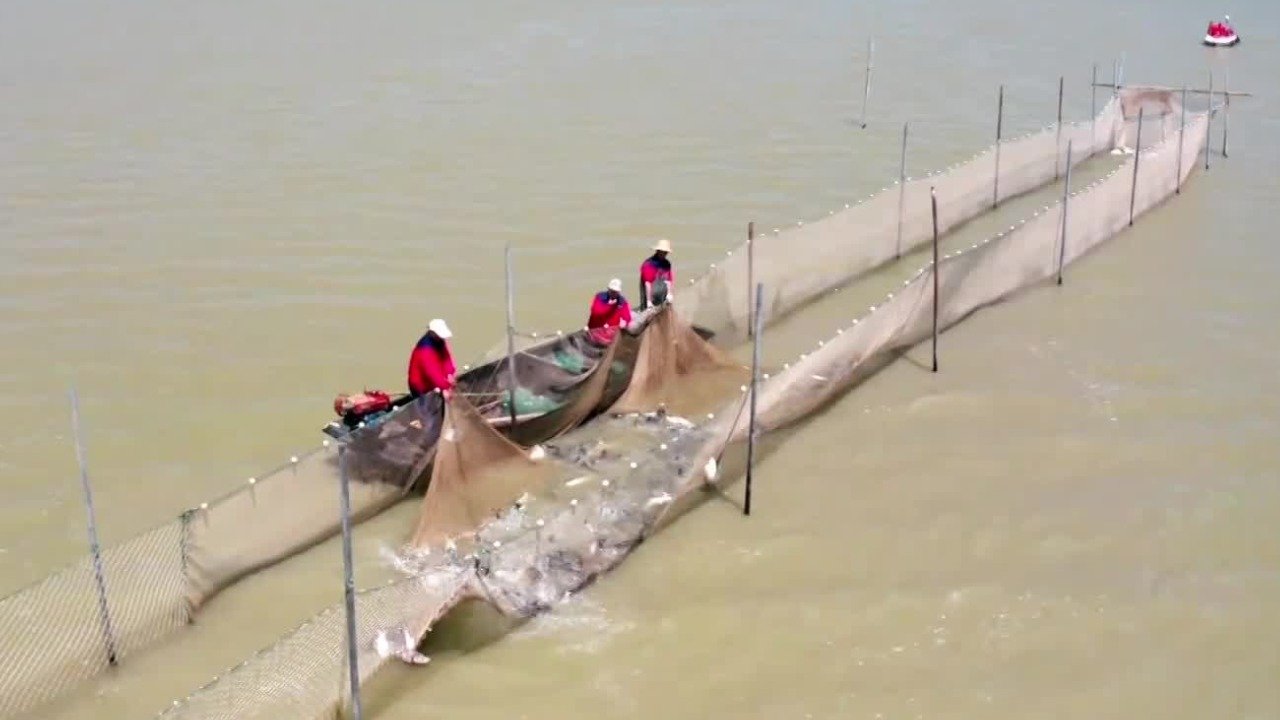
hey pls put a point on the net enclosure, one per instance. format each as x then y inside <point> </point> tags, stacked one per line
<point>614,481</point>
<point>52,636</point>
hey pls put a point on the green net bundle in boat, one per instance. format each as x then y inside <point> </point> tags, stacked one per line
<point>527,403</point>
<point>571,361</point>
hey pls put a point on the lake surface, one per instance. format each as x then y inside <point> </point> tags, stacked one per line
<point>214,217</point>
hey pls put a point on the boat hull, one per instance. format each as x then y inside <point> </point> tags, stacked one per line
<point>1227,41</point>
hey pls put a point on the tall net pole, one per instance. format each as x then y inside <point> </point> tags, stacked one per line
<point>751,274</point>
<point>995,185</point>
<point>902,190</point>
<point>1208,123</point>
<point>933,201</point>
<point>511,335</point>
<point>1093,106</point>
<point>95,548</point>
<point>1066,198</point>
<point>1182,131</point>
<point>755,391</point>
<point>349,585</point>
<point>866,87</point>
<point>1137,161</point>
<point>1057,143</point>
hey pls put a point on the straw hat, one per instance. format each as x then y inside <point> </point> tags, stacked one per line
<point>439,327</point>
<point>663,245</point>
<point>615,285</point>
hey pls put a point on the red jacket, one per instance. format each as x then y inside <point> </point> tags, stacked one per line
<point>431,366</point>
<point>607,313</point>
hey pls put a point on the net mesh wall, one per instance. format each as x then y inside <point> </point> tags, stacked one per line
<point>536,564</point>
<point>984,274</point>
<point>52,634</point>
<point>798,265</point>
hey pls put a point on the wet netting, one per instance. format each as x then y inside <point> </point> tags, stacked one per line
<point>1032,252</point>
<point>519,533</point>
<point>799,264</point>
<point>62,631</point>
<point>612,482</point>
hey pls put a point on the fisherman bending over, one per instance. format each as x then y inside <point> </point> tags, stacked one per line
<point>609,311</point>
<point>431,363</point>
<point>657,277</point>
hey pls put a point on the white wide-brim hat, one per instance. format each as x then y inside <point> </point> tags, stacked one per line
<point>615,285</point>
<point>439,327</point>
<point>663,245</point>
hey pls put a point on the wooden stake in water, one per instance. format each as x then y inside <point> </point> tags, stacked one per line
<point>755,390</point>
<point>751,275</point>
<point>1226,109</point>
<point>866,88</point>
<point>1093,106</point>
<point>902,190</point>
<point>1057,143</point>
<point>1208,124</point>
<point>511,338</point>
<point>349,585</point>
<point>1066,198</point>
<point>933,198</point>
<point>1137,157</point>
<point>995,185</point>
<point>1182,131</point>
<point>95,549</point>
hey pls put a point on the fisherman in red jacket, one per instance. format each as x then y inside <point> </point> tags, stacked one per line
<point>431,364</point>
<point>609,311</point>
<point>657,277</point>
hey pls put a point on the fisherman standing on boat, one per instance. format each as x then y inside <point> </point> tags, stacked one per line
<point>609,311</point>
<point>431,363</point>
<point>657,277</point>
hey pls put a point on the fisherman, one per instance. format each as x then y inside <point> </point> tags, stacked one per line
<point>657,277</point>
<point>609,311</point>
<point>431,363</point>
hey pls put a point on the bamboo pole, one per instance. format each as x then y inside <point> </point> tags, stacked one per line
<point>1137,158</point>
<point>349,585</point>
<point>1066,199</point>
<point>1208,124</point>
<point>902,190</point>
<point>1193,91</point>
<point>1057,143</point>
<point>95,548</point>
<point>1182,131</point>
<point>933,199</point>
<point>751,274</point>
<point>511,338</point>
<point>755,391</point>
<point>995,185</point>
<point>1093,106</point>
<point>1226,109</point>
<point>866,88</point>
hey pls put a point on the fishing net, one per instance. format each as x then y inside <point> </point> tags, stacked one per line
<point>1034,251</point>
<point>158,580</point>
<point>476,473</point>
<point>558,383</point>
<point>674,367</point>
<point>799,264</point>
